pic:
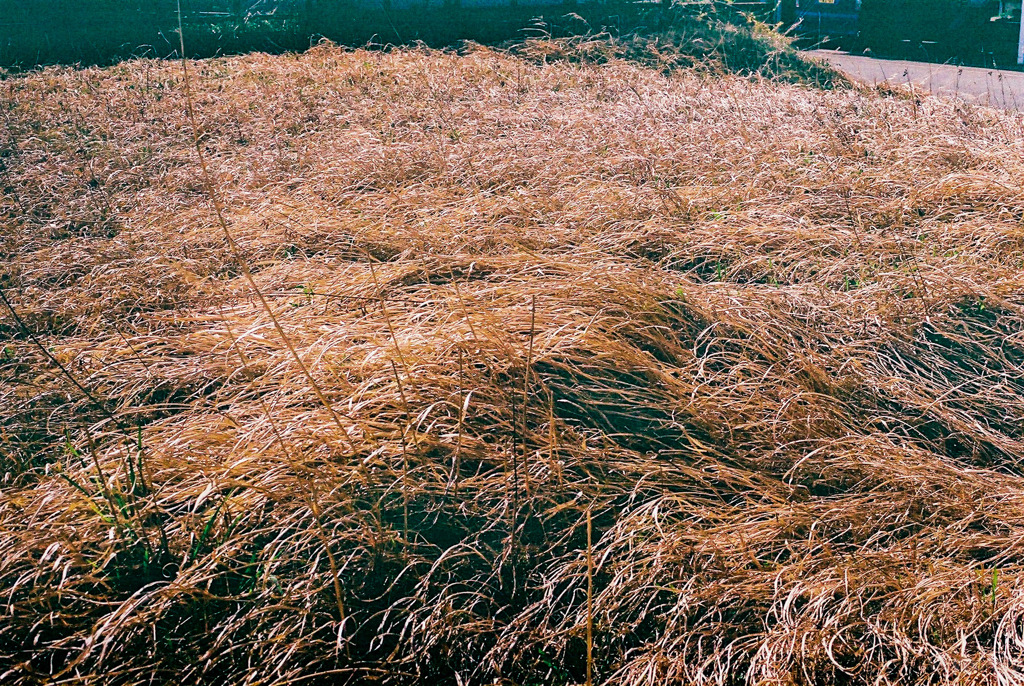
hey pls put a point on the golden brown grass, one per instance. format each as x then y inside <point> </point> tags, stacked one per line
<point>761,344</point>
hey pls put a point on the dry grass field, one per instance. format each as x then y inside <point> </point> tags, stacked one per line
<point>513,360</point>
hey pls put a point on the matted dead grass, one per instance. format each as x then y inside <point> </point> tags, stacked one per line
<point>770,338</point>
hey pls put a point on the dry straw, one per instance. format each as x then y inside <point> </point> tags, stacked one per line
<point>587,370</point>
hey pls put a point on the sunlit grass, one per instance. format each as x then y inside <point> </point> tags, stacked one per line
<point>766,339</point>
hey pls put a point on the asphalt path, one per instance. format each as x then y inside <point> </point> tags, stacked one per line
<point>994,87</point>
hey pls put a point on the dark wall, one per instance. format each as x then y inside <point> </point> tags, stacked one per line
<point>98,31</point>
<point>35,32</point>
<point>836,19</point>
<point>940,30</point>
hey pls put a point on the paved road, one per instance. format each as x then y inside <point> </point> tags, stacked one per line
<point>984,86</point>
